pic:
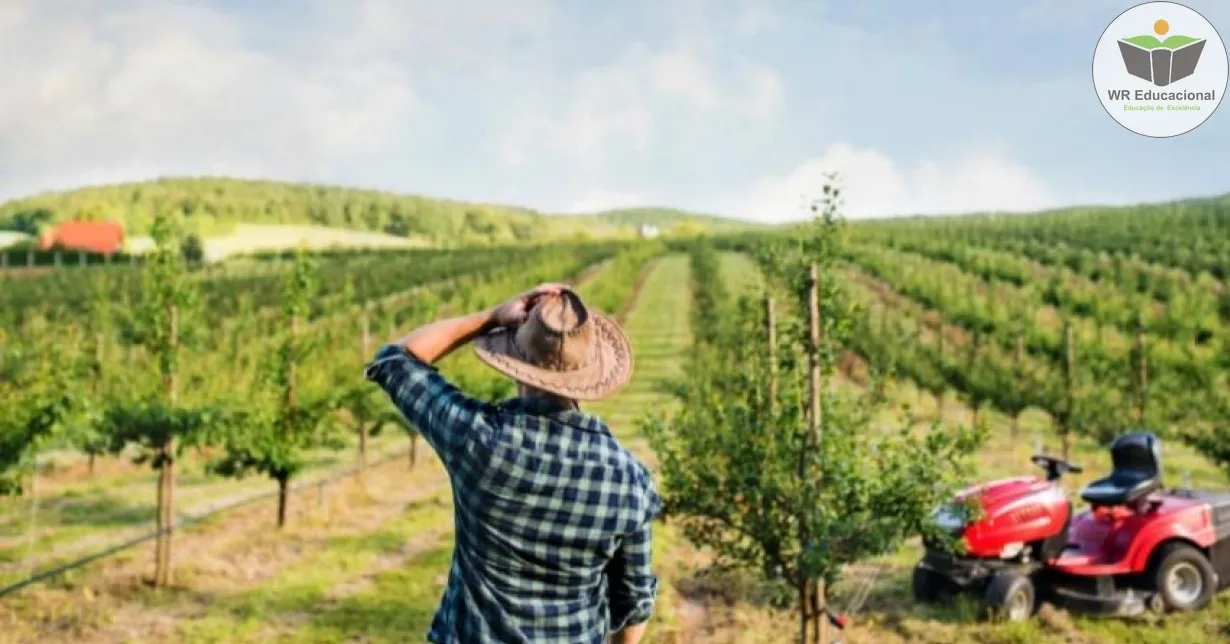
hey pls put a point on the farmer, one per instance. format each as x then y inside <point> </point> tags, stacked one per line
<point>552,515</point>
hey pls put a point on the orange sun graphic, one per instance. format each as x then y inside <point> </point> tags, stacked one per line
<point>1161,27</point>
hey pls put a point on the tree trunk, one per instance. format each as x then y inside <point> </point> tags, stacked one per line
<point>803,587</point>
<point>166,488</point>
<point>283,498</point>
<point>819,601</point>
<point>166,470</point>
<point>99,366</point>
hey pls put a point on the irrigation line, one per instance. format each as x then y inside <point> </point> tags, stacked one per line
<point>184,522</point>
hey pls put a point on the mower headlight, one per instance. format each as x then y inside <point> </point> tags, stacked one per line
<point>1011,550</point>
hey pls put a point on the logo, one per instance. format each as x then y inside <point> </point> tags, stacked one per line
<point>1160,45</point>
<point>1161,62</point>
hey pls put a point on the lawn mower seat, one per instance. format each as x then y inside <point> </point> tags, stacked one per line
<point>1137,471</point>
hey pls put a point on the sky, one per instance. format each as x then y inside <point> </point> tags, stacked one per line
<point>734,107</point>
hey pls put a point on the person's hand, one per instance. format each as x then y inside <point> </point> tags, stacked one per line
<point>517,309</point>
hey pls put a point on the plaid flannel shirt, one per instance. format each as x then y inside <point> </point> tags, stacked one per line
<point>552,514</point>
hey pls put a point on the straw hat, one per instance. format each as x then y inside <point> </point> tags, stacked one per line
<point>562,347</point>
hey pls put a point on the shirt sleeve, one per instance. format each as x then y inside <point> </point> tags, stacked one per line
<point>630,578</point>
<point>446,417</point>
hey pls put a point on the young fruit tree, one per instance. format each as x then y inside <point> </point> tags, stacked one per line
<point>281,419</point>
<point>37,403</point>
<point>153,419</point>
<point>88,437</point>
<point>366,408</point>
<point>772,466</point>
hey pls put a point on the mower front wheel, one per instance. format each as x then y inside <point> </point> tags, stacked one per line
<point>1010,597</point>
<point>1183,577</point>
<point>929,586</point>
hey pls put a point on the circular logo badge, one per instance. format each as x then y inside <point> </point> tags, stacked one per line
<point>1160,69</point>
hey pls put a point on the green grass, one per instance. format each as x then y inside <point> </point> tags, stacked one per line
<point>740,273</point>
<point>396,604</point>
<point>303,604</point>
<point>382,583</point>
<point>77,517</point>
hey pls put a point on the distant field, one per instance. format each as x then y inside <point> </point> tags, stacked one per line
<point>215,206</point>
<point>8,238</point>
<point>250,238</point>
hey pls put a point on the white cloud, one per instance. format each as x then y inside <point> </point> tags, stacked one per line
<point>873,184</point>
<point>619,107</point>
<point>685,75</point>
<point>597,200</point>
<point>178,88</point>
<point>755,17</point>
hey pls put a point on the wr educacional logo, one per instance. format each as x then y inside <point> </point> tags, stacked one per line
<point>1161,62</point>
<point>1162,83</point>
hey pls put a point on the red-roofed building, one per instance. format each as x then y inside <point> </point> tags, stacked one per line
<point>102,237</point>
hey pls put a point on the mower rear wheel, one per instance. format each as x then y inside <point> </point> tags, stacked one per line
<point>1010,597</point>
<point>1183,577</point>
<point>929,586</point>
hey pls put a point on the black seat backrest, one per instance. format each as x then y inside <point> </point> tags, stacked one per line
<point>1137,456</point>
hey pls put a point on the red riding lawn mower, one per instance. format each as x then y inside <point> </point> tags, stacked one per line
<point>1136,547</point>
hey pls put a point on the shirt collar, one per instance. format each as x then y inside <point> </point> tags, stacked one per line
<point>556,411</point>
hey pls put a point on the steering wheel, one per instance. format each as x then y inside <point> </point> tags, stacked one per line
<point>1055,467</point>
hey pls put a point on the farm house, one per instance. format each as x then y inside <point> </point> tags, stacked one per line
<point>89,236</point>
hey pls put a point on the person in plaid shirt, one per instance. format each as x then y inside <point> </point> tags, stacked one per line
<point>552,514</point>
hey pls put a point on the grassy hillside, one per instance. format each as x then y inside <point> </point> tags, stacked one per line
<point>216,206</point>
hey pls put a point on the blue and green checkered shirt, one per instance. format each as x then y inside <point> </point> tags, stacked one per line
<point>552,514</point>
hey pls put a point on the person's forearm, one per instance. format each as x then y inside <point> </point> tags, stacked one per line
<point>432,342</point>
<point>630,634</point>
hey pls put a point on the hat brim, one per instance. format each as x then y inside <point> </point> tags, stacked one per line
<point>606,374</point>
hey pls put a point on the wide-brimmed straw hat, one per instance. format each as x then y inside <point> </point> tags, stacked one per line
<point>563,347</point>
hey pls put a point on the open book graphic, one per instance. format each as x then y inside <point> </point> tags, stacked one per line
<point>1161,62</point>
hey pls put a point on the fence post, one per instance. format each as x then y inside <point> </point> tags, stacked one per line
<point>1069,379</point>
<point>1018,360</point>
<point>815,338</point>
<point>1142,370</point>
<point>770,321</point>
<point>974,345</point>
<point>33,527</point>
<point>939,398</point>
<point>365,341</point>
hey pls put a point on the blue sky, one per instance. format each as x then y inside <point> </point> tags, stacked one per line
<point>736,107</point>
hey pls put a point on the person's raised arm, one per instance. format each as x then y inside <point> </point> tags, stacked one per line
<point>434,341</point>
<point>442,413</point>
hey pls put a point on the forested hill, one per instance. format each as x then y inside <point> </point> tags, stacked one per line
<point>214,206</point>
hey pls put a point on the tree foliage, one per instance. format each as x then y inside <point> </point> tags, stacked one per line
<point>741,468</point>
<point>283,418</point>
